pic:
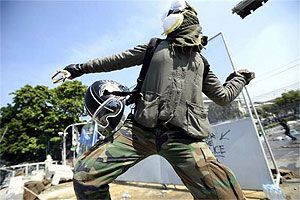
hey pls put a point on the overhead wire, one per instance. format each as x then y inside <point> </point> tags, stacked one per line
<point>292,86</point>
<point>283,66</point>
<point>259,79</point>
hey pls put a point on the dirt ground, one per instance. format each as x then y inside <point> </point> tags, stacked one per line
<point>135,191</point>
<point>139,191</point>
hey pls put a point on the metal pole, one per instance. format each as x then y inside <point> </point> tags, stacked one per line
<point>73,134</point>
<point>231,61</point>
<point>254,109</point>
<point>214,37</point>
<point>64,148</point>
<point>72,142</point>
<point>265,138</point>
<point>234,69</point>
<point>26,170</point>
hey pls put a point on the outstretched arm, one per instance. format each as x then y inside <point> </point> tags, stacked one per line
<point>226,93</point>
<point>128,58</point>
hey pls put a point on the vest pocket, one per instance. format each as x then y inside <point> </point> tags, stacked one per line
<point>146,112</point>
<point>197,122</point>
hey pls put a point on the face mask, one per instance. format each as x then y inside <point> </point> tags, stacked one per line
<point>173,18</point>
<point>172,22</point>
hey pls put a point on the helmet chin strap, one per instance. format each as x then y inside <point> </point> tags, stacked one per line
<point>117,93</point>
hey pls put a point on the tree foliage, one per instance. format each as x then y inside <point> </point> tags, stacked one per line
<point>35,117</point>
<point>288,102</point>
<point>292,96</point>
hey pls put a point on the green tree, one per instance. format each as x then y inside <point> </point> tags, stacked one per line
<point>289,97</point>
<point>287,103</point>
<point>35,117</point>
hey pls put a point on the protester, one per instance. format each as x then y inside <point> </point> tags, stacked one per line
<point>286,127</point>
<point>170,118</point>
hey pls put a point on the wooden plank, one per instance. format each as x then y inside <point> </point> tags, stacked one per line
<point>254,194</point>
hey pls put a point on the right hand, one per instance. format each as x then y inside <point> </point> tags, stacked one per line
<point>60,76</point>
<point>74,70</point>
<point>69,72</point>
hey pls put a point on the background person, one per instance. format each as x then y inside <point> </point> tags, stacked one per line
<point>286,128</point>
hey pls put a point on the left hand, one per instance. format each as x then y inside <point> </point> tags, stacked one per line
<point>247,75</point>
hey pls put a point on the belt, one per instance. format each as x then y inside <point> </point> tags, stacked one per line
<point>160,124</point>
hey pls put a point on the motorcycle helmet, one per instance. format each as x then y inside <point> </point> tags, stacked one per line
<point>106,109</point>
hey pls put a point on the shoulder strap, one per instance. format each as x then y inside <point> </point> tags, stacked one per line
<point>153,43</point>
<point>206,68</point>
<point>135,93</point>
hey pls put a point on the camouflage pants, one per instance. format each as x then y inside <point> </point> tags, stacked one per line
<point>192,160</point>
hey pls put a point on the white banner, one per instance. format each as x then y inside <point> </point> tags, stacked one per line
<point>237,145</point>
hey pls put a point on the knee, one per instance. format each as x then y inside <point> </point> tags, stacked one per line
<point>84,191</point>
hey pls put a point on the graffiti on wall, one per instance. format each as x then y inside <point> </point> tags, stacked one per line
<point>217,142</point>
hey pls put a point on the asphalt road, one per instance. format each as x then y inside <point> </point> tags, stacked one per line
<point>287,157</point>
<point>285,150</point>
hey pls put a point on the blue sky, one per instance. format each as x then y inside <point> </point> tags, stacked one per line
<point>39,37</point>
